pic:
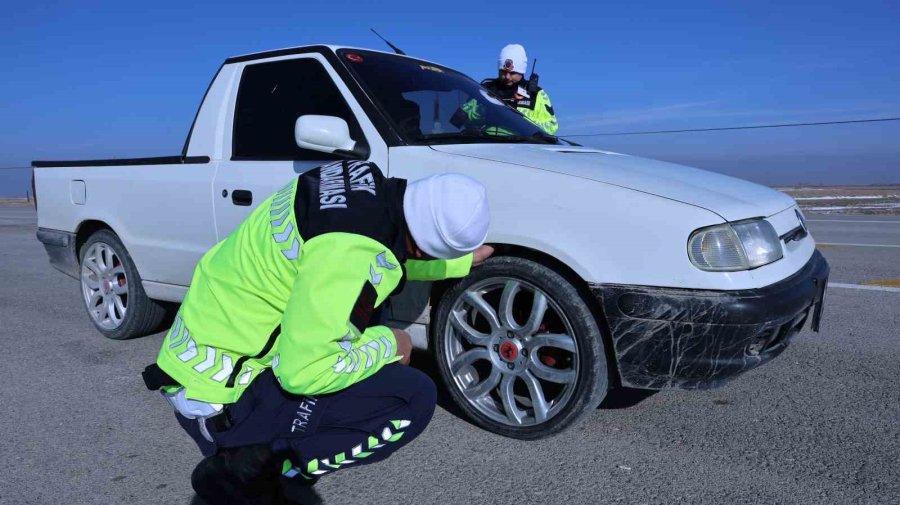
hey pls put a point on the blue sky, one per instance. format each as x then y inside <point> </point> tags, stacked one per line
<point>104,79</point>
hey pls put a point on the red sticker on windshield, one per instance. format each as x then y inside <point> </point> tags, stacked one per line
<point>355,58</point>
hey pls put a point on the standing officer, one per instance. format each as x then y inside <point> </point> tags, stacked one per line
<point>509,86</point>
<point>276,364</point>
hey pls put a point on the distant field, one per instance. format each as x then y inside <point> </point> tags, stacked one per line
<point>11,202</point>
<point>881,200</point>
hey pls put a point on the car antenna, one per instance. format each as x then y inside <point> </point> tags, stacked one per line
<point>386,41</point>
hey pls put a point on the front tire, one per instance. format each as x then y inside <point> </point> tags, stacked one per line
<point>111,288</point>
<point>519,349</point>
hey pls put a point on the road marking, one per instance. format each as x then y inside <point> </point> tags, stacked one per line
<point>826,244</point>
<point>847,221</point>
<point>863,287</point>
<point>894,283</point>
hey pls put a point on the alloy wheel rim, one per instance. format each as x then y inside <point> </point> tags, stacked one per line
<point>104,285</point>
<point>511,372</point>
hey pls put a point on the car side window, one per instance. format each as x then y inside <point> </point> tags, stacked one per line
<point>270,99</point>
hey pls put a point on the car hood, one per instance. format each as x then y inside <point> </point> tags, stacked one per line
<point>731,198</point>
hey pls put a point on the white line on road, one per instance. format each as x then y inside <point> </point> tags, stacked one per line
<point>860,245</point>
<point>848,221</point>
<point>863,286</point>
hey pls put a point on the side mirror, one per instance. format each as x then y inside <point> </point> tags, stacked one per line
<point>328,134</point>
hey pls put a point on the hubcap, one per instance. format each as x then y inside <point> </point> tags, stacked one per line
<point>104,286</point>
<point>515,374</point>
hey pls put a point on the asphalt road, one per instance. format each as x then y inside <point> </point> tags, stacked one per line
<point>820,424</point>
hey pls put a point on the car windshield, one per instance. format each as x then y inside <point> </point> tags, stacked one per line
<point>432,104</point>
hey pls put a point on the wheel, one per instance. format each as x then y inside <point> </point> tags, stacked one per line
<point>519,349</point>
<point>111,286</point>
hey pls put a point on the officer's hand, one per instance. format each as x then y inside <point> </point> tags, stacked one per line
<point>481,254</point>
<point>404,345</point>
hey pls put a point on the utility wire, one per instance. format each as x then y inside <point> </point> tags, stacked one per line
<point>784,125</point>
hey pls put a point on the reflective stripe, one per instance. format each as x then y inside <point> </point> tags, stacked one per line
<point>357,359</point>
<point>374,276</point>
<point>401,423</point>
<point>276,211</point>
<point>351,360</point>
<point>388,348</point>
<point>365,350</point>
<point>245,377</point>
<point>189,353</point>
<point>280,221</point>
<point>381,261</point>
<point>184,335</point>
<point>341,364</point>
<point>293,252</point>
<point>175,330</point>
<point>227,367</point>
<point>316,467</point>
<point>280,198</point>
<point>207,363</point>
<point>285,235</point>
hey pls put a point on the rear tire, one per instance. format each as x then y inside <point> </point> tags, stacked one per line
<point>519,349</point>
<point>112,292</point>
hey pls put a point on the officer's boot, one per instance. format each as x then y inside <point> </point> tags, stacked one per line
<point>238,476</point>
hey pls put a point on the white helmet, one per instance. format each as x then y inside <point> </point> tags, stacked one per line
<point>514,59</point>
<point>447,214</point>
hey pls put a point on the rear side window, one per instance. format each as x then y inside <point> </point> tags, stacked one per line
<point>271,98</point>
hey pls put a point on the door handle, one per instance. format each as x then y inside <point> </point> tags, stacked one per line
<point>242,197</point>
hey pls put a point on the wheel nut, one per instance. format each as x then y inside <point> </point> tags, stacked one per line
<point>525,352</point>
<point>510,366</point>
<point>496,347</point>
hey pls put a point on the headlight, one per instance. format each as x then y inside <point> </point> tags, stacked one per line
<point>735,246</point>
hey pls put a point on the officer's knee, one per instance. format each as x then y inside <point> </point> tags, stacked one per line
<point>423,399</point>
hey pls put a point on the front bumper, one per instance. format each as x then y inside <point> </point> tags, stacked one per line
<point>698,339</point>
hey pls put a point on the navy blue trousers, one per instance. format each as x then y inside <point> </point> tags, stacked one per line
<point>317,435</point>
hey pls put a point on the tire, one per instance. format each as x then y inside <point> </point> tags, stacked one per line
<point>111,289</point>
<point>487,361</point>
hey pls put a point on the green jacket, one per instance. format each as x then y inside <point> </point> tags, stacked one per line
<point>536,109</point>
<point>540,112</point>
<point>297,287</point>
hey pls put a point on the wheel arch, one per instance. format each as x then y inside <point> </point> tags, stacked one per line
<point>85,230</point>
<point>567,272</point>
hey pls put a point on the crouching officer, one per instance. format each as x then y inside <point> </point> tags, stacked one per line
<point>527,97</point>
<point>276,364</point>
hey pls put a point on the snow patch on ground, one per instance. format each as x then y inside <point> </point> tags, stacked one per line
<point>840,208</point>
<point>846,197</point>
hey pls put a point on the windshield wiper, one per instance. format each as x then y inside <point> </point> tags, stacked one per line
<point>550,139</point>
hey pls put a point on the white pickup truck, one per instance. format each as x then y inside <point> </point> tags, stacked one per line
<point>610,270</point>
